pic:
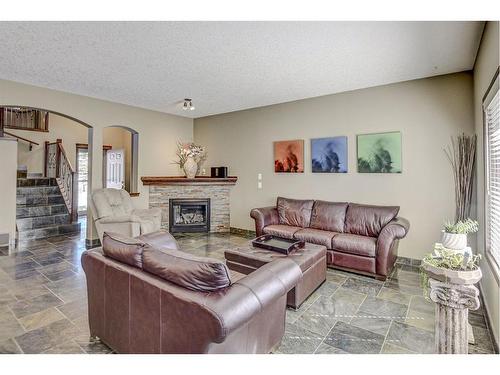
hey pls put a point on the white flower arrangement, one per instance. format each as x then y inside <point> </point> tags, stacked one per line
<point>190,150</point>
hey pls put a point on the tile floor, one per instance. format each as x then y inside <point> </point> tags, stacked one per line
<point>43,305</point>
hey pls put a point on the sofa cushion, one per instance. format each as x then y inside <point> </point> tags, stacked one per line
<point>284,231</point>
<point>123,249</point>
<point>328,216</point>
<point>368,220</point>
<point>160,239</point>
<point>294,212</point>
<point>316,236</point>
<point>183,269</point>
<point>355,244</point>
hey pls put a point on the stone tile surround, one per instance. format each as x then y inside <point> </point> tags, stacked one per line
<point>159,196</point>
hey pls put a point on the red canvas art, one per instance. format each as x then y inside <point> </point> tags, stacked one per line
<point>289,156</point>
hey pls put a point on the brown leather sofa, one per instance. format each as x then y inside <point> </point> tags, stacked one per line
<point>359,238</point>
<point>144,297</point>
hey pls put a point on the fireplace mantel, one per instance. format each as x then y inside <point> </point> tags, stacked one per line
<point>181,180</point>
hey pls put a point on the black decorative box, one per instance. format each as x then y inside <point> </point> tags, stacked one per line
<point>274,243</point>
<point>218,172</point>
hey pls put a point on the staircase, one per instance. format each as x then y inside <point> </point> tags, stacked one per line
<point>41,209</point>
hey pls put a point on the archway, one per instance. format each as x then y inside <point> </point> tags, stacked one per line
<point>47,135</point>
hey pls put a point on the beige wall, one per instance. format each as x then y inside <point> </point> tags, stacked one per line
<point>71,132</point>
<point>158,132</point>
<point>8,166</point>
<point>426,111</point>
<point>486,65</point>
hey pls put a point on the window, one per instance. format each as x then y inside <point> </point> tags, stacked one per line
<point>491,107</point>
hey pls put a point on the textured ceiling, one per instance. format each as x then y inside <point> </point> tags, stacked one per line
<point>229,66</point>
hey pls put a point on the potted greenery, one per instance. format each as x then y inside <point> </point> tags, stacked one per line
<point>450,266</point>
<point>455,234</point>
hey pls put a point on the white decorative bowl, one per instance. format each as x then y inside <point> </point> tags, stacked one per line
<point>454,241</point>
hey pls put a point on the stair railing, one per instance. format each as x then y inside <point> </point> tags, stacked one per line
<point>58,166</point>
<point>19,138</point>
<point>24,118</point>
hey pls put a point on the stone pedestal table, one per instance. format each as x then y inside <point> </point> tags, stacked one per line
<point>454,294</point>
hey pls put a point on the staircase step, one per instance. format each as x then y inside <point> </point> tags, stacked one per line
<point>23,211</point>
<point>33,182</point>
<point>34,175</point>
<point>41,221</point>
<point>29,200</point>
<point>38,190</point>
<point>22,171</point>
<point>51,231</point>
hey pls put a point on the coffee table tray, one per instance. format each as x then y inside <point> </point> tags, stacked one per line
<point>274,243</point>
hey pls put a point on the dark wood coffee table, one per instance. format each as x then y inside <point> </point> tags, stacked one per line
<point>311,259</point>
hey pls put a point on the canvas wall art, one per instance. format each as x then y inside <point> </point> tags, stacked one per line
<point>289,156</point>
<point>379,152</point>
<point>329,155</point>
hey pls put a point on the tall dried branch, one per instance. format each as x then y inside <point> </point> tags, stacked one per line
<point>462,157</point>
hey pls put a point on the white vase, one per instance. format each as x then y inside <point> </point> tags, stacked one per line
<point>190,168</point>
<point>454,241</point>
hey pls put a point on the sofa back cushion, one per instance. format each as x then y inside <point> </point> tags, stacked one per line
<point>185,270</point>
<point>123,249</point>
<point>328,216</point>
<point>294,212</point>
<point>111,202</point>
<point>160,239</point>
<point>367,220</point>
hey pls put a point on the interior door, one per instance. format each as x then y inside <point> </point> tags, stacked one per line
<point>115,169</point>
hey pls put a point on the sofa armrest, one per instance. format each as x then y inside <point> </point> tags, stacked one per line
<point>397,228</point>
<point>263,217</point>
<point>145,212</point>
<point>387,242</point>
<point>251,294</point>
<point>149,218</point>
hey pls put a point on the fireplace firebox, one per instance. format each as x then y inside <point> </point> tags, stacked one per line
<point>189,215</point>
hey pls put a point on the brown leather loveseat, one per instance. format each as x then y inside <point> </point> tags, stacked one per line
<point>360,238</point>
<point>145,296</point>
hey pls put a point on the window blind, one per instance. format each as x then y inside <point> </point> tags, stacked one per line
<point>492,132</point>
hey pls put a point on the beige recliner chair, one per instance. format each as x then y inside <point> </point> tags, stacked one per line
<point>113,211</point>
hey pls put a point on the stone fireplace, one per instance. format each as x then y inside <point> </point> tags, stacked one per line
<point>189,215</point>
<point>164,192</point>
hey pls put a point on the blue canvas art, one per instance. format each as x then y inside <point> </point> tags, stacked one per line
<point>329,155</point>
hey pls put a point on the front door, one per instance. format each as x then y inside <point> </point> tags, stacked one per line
<point>115,169</point>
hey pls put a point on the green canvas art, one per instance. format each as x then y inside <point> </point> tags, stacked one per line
<point>379,153</point>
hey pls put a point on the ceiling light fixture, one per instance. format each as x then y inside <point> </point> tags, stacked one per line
<point>188,104</point>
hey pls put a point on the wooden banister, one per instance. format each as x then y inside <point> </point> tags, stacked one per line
<point>58,158</point>
<point>46,159</point>
<point>63,152</point>
<point>58,166</point>
<point>1,122</point>
<point>31,143</point>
